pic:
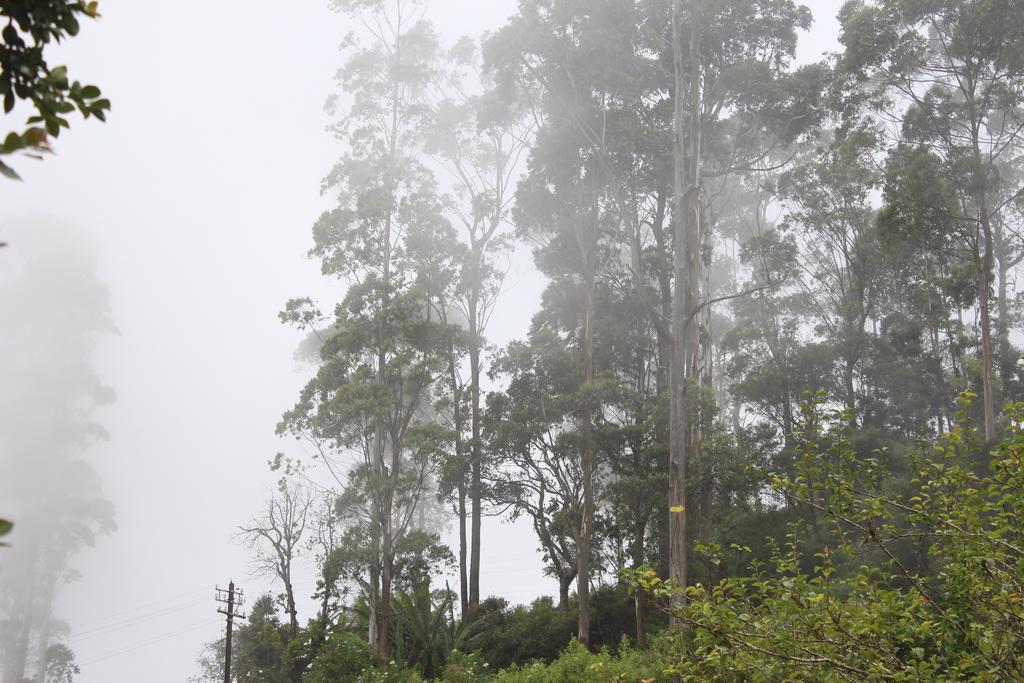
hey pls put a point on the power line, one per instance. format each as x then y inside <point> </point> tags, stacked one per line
<point>149,641</point>
<point>154,603</point>
<point>132,621</point>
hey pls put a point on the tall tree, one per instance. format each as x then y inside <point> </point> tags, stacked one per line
<point>479,136</point>
<point>574,63</point>
<point>385,347</point>
<point>684,429</point>
<point>736,103</point>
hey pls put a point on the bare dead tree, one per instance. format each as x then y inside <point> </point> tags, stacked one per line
<point>275,539</point>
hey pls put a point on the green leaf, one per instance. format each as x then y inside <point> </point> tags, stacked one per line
<point>71,24</point>
<point>35,136</point>
<point>10,35</point>
<point>8,172</point>
<point>5,526</point>
<point>12,142</point>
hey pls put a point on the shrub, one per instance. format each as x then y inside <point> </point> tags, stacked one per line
<point>392,672</point>
<point>522,634</point>
<point>579,665</point>
<point>341,659</point>
<point>888,622</point>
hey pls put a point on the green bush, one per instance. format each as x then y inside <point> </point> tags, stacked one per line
<point>392,672</point>
<point>341,659</point>
<point>579,665</point>
<point>963,622</point>
<point>522,634</point>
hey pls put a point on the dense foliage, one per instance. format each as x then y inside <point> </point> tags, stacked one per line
<point>918,582</point>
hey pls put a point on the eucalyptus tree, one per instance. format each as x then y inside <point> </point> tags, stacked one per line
<point>582,72</point>
<point>687,263</point>
<point>737,102</point>
<point>453,471</point>
<point>385,346</point>
<point>956,73</point>
<point>561,208</point>
<point>1008,253</point>
<point>478,135</point>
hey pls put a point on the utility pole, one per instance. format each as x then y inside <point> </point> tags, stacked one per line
<point>233,599</point>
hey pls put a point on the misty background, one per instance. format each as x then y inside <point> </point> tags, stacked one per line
<point>180,229</point>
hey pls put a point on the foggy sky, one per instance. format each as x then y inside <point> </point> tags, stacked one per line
<point>199,194</point>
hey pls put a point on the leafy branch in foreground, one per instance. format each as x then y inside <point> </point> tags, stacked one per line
<point>28,28</point>
<point>845,615</point>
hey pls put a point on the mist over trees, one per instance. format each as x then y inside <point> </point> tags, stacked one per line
<point>768,283</point>
<point>766,421</point>
<point>47,429</point>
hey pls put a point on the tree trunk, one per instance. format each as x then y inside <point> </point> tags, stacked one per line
<point>637,556</point>
<point>384,604</point>
<point>460,458</point>
<point>43,640</point>
<point>563,595</point>
<point>662,387</point>
<point>851,394</point>
<point>642,415</point>
<point>476,453</point>
<point>587,521</point>
<point>1004,263</point>
<point>463,578</point>
<point>377,555</point>
<point>683,432</point>
<point>372,600</point>
<point>382,511</point>
<point>984,294</point>
<point>662,436</point>
<point>293,616</point>
<point>325,606</point>
<point>382,508</point>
